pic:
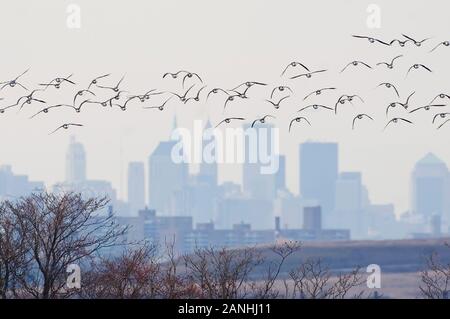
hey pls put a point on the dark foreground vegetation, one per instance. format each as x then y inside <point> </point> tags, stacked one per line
<point>44,234</point>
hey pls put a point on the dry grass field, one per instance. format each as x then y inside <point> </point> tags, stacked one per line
<point>401,261</point>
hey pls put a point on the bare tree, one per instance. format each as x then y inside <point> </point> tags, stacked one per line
<point>145,271</point>
<point>13,259</point>
<point>222,273</point>
<point>283,251</point>
<point>174,284</point>
<point>59,230</point>
<point>312,280</point>
<point>42,234</point>
<point>134,274</point>
<point>207,273</point>
<point>435,280</point>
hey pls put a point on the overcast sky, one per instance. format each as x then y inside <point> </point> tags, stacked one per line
<point>226,42</point>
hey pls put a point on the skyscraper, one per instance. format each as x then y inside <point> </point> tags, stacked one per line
<point>312,218</point>
<point>166,177</point>
<point>75,162</point>
<point>136,187</point>
<point>255,184</point>
<point>76,180</point>
<point>208,171</point>
<point>318,174</point>
<point>280,178</point>
<point>201,193</point>
<point>348,212</point>
<point>430,187</point>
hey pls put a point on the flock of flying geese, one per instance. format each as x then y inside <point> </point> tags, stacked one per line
<point>193,90</point>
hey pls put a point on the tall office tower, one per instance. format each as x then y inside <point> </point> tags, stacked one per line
<point>318,174</point>
<point>259,141</point>
<point>166,177</point>
<point>312,218</point>
<point>136,187</point>
<point>201,194</point>
<point>208,170</point>
<point>280,178</point>
<point>348,212</point>
<point>430,187</point>
<point>75,162</point>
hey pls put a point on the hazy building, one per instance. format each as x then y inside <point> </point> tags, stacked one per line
<point>135,228</point>
<point>94,189</point>
<point>196,198</point>
<point>180,202</point>
<point>289,208</point>
<point>280,178</point>
<point>430,187</point>
<point>99,188</point>
<point>202,188</point>
<point>75,162</point>
<point>381,222</point>
<point>165,176</point>
<point>239,235</point>
<point>202,197</point>
<point>76,180</point>
<point>122,208</point>
<point>312,218</point>
<point>412,223</point>
<point>136,187</point>
<point>208,170</point>
<point>166,229</point>
<point>318,174</point>
<point>348,212</point>
<point>349,191</point>
<point>12,185</point>
<point>237,210</point>
<point>229,189</point>
<point>365,200</point>
<point>312,229</point>
<point>255,184</point>
<point>435,226</point>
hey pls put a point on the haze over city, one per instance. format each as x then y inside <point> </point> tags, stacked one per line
<point>199,40</point>
<point>229,150</point>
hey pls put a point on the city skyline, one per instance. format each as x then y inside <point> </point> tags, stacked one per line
<point>132,135</point>
<point>180,151</point>
<point>200,196</point>
<point>192,169</point>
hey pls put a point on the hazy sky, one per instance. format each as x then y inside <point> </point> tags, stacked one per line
<point>227,43</point>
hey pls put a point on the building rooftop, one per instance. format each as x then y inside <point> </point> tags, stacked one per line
<point>164,148</point>
<point>430,159</point>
